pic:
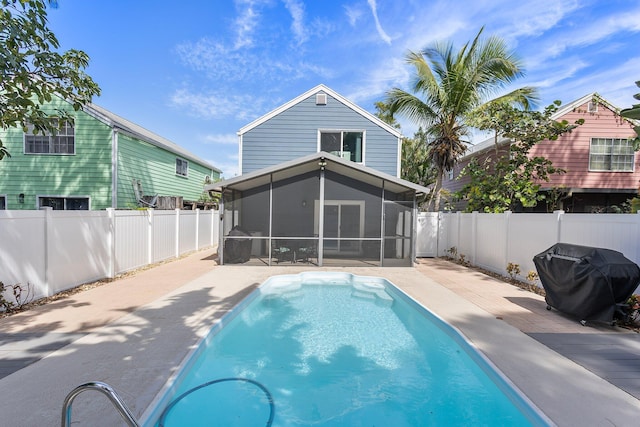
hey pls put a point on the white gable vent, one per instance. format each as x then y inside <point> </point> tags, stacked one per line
<point>321,99</point>
<point>592,107</point>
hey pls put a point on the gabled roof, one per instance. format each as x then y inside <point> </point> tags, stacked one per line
<point>311,162</point>
<point>311,92</point>
<point>137,131</point>
<point>567,108</point>
<point>564,109</point>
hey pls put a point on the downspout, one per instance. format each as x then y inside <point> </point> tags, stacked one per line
<point>414,228</point>
<point>239,154</point>
<point>221,228</point>
<point>114,168</point>
<point>382,227</point>
<point>270,217</point>
<point>399,163</point>
<point>321,215</point>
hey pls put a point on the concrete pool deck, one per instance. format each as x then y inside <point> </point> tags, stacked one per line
<point>134,332</point>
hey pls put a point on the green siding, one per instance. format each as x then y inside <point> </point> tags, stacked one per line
<point>155,168</point>
<point>86,173</point>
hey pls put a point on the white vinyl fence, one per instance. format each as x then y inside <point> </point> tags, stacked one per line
<point>491,241</point>
<point>57,250</point>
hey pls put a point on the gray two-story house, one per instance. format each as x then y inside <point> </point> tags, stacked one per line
<point>320,184</point>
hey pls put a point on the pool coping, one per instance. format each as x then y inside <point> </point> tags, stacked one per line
<point>138,352</point>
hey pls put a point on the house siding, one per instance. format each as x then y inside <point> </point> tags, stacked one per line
<point>593,191</point>
<point>89,172</point>
<point>293,133</point>
<point>155,168</point>
<point>571,151</point>
<point>85,173</point>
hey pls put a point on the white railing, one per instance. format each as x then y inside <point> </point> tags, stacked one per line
<point>56,250</point>
<point>492,241</point>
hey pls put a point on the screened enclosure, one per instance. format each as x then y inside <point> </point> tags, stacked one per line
<point>323,211</point>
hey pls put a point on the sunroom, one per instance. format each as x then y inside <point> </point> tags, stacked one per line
<point>319,210</point>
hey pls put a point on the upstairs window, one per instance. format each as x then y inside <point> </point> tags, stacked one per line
<point>182,167</point>
<point>348,145</point>
<point>63,142</point>
<point>611,155</point>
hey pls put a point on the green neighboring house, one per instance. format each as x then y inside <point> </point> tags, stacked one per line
<point>100,161</point>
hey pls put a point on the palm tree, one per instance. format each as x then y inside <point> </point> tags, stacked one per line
<point>448,86</point>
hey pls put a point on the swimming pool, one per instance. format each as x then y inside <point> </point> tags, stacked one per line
<point>335,349</point>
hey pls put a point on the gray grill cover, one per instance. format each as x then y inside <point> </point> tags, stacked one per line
<point>586,282</point>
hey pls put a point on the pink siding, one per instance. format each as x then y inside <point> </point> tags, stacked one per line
<point>571,151</point>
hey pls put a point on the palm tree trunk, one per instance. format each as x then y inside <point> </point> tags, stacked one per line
<point>437,189</point>
<point>434,197</point>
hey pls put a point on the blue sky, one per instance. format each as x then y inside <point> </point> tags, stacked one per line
<point>196,71</point>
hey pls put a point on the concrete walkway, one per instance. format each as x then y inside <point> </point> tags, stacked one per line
<point>135,332</point>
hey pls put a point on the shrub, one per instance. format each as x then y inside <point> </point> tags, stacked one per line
<point>21,295</point>
<point>513,270</point>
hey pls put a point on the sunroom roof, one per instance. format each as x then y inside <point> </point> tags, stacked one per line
<point>313,162</point>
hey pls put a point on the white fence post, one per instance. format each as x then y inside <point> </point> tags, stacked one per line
<point>507,216</point>
<point>48,248</point>
<point>177,233</point>
<point>458,224</point>
<point>150,214</point>
<point>474,237</point>
<point>111,242</point>
<point>197,229</point>
<point>559,215</point>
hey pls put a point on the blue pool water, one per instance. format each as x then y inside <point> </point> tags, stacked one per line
<point>333,349</point>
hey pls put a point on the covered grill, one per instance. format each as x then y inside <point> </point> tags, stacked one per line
<point>586,282</point>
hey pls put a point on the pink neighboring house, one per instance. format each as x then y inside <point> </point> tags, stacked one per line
<point>603,171</point>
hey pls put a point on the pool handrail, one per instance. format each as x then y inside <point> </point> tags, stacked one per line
<point>105,389</point>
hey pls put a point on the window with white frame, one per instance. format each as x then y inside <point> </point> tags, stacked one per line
<point>3,203</point>
<point>611,154</point>
<point>346,144</point>
<point>182,167</point>
<point>63,142</point>
<point>64,203</point>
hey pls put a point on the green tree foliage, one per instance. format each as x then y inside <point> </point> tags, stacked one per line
<point>634,113</point>
<point>383,112</point>
<point>447,86</point>
<point>508,180</point>
<point>415,164</point>
<point>33,71</point>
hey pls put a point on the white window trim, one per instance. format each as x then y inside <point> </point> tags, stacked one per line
<point>24,144</point>
<point>186,175</point>
<point>57,196</point>
<point>4,197</point>
<point>633,164</point>
<point>364,140</point>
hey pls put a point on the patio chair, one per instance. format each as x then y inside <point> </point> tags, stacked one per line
<point>140,198</point>
<point>282,250</point>
<point>307,251</point>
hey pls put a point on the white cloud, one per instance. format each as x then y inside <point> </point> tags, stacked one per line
<point>615,84</point>
<point>353,14</point>
<point>246,22</point>
<point>218,105</point>
<point>224,65</point>
<point>395,73</point>
<point>220,138</point>
<point>374,9</point>
<point>296,9</point>
<point>228,164</point>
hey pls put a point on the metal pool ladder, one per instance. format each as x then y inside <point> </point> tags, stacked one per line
<point>105,389</point>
